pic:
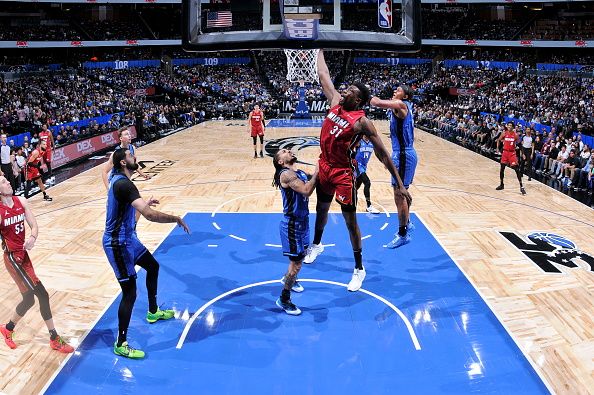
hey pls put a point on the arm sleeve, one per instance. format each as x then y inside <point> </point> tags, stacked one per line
<point>125,191</point>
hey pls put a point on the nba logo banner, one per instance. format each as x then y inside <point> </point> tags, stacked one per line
<point>384,14</point>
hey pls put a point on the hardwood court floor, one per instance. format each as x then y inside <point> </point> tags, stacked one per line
<point>549,315</point>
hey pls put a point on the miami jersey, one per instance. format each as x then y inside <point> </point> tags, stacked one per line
<point>509,141</point>
<point>256,119</point>
<point>12,226</point>
<point>338,137</point>
<point>45,136</point>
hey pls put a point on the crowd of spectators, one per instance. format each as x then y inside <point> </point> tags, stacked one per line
<point>570,28</point>
<point>58,31</point>
<point>557,156</point>
<point>185,95</point>
<point>452,23</point>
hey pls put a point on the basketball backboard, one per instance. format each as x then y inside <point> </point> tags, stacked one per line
<point>380,25</point>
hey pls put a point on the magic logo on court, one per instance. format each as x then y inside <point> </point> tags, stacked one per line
<point>549,251</point>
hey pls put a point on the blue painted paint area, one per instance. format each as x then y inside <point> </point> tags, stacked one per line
<point>295,123</point>
<point>347,343</point>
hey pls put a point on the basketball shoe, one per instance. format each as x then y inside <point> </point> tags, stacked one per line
<point>373,210</point>
<point>60,345</point>
<point>288,307</point>
<point>159,315</point>
<point>312,252</point>
<point>126,351</point>
<point>8,337</point>
<point>399,241</point>
<point>357,280</point>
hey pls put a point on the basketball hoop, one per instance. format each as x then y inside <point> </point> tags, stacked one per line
<point>302,65</point>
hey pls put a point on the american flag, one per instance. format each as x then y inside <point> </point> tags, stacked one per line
<point>219,19</point>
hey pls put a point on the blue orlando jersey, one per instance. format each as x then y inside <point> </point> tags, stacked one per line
<point>363,155</point>
<point>120,221</point>
<point>402,131</point>
<point>295,204</point>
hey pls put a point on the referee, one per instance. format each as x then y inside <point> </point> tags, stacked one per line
<point>6,166</point>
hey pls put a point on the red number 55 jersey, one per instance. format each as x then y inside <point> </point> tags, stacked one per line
<point>12,226</point>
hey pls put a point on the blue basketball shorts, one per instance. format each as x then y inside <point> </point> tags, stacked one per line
<point>294,235</point>
<point>406,163</point>
<point>122,256</point>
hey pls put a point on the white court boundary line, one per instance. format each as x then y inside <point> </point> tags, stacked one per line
<point>217,227</point>
<point>509,332</point>
<point>189,324</point>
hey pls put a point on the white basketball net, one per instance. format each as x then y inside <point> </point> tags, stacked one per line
<point>302,65</point>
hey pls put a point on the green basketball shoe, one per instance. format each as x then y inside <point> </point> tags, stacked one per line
<point>126,351</point>
<point>159,315</point>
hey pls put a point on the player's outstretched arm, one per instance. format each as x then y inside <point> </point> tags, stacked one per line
<point>105,171</point>
<point>365,126</point>
<point>32,222</point>
<point>289,179</point>
<point>326,81</point>
<point>147,212</point>
<point>393,104</point>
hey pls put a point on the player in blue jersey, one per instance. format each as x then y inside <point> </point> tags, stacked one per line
<point>364,151</point>
<point>294,227</point>
<point>404,156</point>
<point>124,250</point>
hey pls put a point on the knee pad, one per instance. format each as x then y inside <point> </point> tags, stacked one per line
<point>40,291</point>
<point>27,302</point>
<point>43,298</point>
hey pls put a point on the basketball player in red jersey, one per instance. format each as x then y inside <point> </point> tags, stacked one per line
<point>256,127</point>
<point>34,164</point>
<point>342,128</point>
<point>47,136</point>
<point>508,156</point>
<point>14,211</point>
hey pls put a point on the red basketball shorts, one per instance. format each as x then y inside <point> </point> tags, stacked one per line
<point>337,181</point>
<point>33,173</point>
<point>509,158</point>
<point>20,268</point>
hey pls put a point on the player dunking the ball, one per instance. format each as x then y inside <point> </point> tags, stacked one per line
<point>342,128</point>
<point>294,227</point>
<point>256,127</point>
